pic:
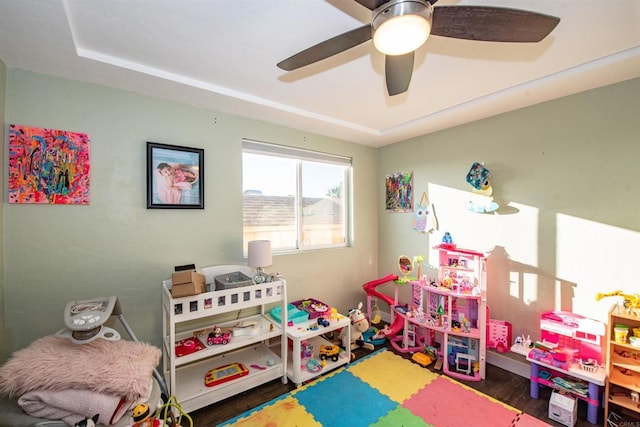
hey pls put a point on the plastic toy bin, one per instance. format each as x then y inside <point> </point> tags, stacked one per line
<point>293,314</point>
<point>232,280</point>
<point>313,307</point>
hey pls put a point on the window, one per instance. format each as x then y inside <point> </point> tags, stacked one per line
<point>297,199</point>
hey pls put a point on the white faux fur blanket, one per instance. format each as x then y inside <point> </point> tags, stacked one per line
<point>121,368</point>
<point>73,405</point>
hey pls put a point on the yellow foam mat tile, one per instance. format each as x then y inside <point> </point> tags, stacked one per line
<point>392,376</point>
<point>284,412</point>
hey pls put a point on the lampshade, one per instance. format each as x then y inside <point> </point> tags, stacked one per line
<point>402,27</point>
<point>259,253</point>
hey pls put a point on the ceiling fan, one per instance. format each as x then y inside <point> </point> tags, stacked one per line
<point>399,27</point>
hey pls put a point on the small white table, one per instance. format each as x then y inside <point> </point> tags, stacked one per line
<point>305,331</point>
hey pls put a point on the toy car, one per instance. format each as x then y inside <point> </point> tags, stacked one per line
<point>422,359</point>
<point>218,338</point>
<point>329,352</point>
<point>323,322</point>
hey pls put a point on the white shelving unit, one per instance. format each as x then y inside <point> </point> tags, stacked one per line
<point>301,332</point>
<point>259,352</point>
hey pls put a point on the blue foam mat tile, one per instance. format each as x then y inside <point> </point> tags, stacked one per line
<point>341,400</point>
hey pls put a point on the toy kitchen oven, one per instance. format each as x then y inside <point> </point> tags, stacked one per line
<point>578,337</point>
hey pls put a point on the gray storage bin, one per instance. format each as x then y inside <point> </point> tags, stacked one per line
<point>232,280</point>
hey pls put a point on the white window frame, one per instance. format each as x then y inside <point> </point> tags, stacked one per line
<point>299,154</point>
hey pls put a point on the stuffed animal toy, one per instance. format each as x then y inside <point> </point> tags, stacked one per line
<point>88,422</point>
<point>142,417</point>
<point>359,324</point>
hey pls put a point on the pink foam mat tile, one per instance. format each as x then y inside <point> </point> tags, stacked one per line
<point>447,403</point>
<point>526,420</point>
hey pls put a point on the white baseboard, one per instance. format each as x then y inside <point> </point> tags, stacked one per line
<point>511,362</point>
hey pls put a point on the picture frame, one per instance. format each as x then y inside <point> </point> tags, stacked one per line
<point>175,177</point>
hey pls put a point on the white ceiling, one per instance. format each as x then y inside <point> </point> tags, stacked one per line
<point>222,55</point>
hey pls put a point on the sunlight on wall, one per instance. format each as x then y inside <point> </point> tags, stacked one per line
<point>539,261</point>
<point>523,286</point>
<point>598,258</point>
<point>517,233</point>
<point>514,284</point>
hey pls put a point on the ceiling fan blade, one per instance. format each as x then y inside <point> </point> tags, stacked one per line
<point>398,71</point>
<point>327,48</point>
<point>493,24</point>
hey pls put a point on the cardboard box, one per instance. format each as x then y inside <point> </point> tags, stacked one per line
<point>187,289</point>
<point>563,408</point>
<point>187,283</point>
<point>181,277</point>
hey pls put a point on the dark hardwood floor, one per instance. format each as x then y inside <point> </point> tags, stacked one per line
<point>502,385</point>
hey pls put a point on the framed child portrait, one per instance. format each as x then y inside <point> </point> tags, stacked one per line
<point>175,177</point>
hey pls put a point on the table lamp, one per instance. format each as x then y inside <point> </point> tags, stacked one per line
<point>259,256</point>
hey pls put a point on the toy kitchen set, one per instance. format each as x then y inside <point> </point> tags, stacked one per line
<point>569,357</point>
<point>568,339</point>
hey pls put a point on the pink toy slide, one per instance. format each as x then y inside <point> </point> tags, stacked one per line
<point>370,290</point>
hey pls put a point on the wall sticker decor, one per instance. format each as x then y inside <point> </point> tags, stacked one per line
<point>425,219</point>
<point>48,166</point>
<point>479,177</point>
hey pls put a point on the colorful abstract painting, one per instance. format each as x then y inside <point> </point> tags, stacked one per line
<point>48,166</point>
<point>399,192</point>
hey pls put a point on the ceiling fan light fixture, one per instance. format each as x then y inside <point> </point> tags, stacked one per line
<point>402,26</point>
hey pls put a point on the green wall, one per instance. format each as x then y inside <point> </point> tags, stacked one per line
<point>564,172</point>
<point>566,175</point>
<point>115,246</point>
<point>3,76</point>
